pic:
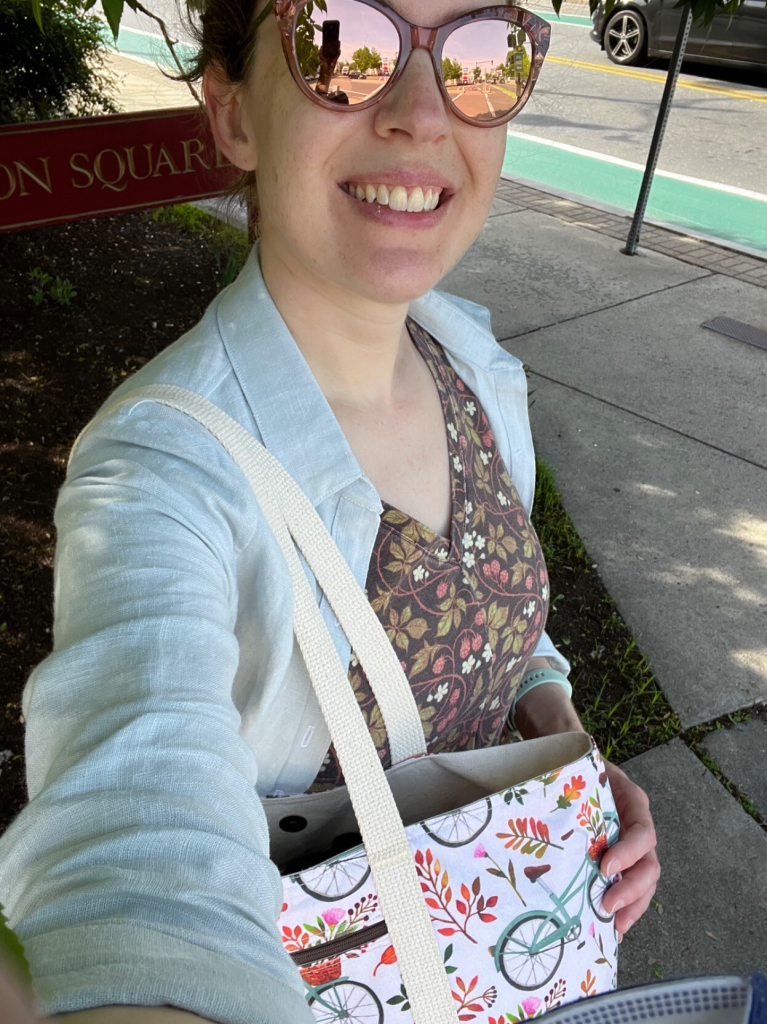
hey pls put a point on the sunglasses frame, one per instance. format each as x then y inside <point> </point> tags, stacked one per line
<point>418,37</point>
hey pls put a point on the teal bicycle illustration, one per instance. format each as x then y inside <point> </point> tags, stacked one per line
<point>531,948</point>
<point>334,998</point>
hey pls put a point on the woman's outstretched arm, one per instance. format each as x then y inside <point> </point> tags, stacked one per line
<point>139,873</point>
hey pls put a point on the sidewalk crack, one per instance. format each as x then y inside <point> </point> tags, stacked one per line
<point>649,419</point>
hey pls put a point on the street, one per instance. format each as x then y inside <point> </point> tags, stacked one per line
<point>716,129</point>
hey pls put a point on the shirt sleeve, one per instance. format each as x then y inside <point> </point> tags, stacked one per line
<point>139,871</point>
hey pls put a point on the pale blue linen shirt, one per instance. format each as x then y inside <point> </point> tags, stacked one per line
<point>175,696</point>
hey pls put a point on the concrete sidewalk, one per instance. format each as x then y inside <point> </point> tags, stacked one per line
<point>657,430</point>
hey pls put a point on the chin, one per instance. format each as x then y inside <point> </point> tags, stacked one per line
<point>393,275</point>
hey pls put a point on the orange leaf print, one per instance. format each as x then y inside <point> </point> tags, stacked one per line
<point>571,792</point>
<point>387,957</point>
<point>574,788</point>
<point>589,984</point>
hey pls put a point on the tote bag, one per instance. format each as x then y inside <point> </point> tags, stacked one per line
<point>453,887</point>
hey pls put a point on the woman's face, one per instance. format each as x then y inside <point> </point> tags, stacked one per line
<point>304,155</point>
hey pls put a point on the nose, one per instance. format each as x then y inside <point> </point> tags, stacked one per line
<point>415,104</point>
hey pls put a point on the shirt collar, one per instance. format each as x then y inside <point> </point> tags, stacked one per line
<point>293,416</point>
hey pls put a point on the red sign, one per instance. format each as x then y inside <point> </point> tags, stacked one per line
<point>55,171</point>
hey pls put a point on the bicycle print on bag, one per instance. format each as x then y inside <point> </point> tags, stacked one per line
<point>514,891</point>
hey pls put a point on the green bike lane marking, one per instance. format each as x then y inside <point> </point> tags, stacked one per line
<point>719,211</point>
<point>146,46</point>
<point>563,19</point>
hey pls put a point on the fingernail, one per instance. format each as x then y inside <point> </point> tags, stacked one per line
<point>620,937</point>
<point>611,868</point>
<point>618,906</point>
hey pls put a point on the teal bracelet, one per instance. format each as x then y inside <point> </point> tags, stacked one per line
<point>535,678</point>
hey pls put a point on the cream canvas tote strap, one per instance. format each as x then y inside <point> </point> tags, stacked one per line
<point>290,513</point>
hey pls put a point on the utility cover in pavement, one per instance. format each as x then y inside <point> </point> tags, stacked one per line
<point>739,331</point>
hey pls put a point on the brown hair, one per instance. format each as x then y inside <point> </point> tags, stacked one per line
<point>225,36</point>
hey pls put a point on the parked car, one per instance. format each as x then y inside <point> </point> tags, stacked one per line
<point>637,29</point>
<point>354,73</point>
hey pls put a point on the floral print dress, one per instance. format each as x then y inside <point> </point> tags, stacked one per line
<point>464,613</point>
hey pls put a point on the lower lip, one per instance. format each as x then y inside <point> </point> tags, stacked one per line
<point>398,218</point>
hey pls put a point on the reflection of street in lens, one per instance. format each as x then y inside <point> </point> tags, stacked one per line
<point>481,100</point>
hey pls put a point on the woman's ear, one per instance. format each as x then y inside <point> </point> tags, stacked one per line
<point>234,136</point>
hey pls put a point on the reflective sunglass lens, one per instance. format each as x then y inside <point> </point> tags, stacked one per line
<point>347,52</point>
<point>485,67</point>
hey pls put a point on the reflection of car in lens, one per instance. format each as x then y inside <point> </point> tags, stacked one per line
<point>354,73</point>
<point>637,29</point>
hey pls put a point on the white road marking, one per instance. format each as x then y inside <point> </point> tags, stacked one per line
<point>732,189</point>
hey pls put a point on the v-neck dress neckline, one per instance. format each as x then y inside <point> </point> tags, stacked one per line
<point>451,414</point>
<point>463,616</point>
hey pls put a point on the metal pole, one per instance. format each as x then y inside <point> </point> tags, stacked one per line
<point>660,130</point>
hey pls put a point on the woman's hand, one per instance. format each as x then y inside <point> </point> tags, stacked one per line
<point>633,856</point>
<point>16,1007</point>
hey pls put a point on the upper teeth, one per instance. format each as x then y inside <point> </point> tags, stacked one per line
<point>397,197</point>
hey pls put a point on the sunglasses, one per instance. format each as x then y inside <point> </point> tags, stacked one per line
<point>348,54</point>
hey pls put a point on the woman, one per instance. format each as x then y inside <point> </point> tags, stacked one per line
<point>175,696</point>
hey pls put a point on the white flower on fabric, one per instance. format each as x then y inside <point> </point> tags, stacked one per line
<point>468,559</point>
<point>545,592</point>
<point>469,508</point>
<point>485,458</point>
<point>418,573</point>
<point>469,664</point>
<point>495,704</point>
<point>442,554</point>
<point>529,608</point>
<point>439,693</point>
<point>457,464</point>
<point>502,499</point>
<point>353,660</point>
<point>479,542</point>
<point>487,653</point>
<point>470,408</point>
<point>452,431</point>
<point>512,663</point>
<point>468,540</point>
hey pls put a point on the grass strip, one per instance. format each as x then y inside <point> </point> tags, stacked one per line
<point>230,244</point>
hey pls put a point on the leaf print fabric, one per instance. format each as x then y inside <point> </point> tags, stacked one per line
<point>514,893</point>
<point>464,613</point>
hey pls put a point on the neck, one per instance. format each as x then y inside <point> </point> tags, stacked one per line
<point>357,348</point>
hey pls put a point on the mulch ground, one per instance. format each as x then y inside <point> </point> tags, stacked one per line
<point>140,285</point>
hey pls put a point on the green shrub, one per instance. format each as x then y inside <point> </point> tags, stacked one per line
<point>58,73</point>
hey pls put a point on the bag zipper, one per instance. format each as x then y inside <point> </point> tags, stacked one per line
<point>303,957</point>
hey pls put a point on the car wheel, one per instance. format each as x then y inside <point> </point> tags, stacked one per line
<point>625,37</point>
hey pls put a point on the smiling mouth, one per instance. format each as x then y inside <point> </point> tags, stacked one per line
<point>416,199</point>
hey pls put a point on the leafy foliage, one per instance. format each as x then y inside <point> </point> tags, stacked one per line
<point>365,58</point>
<point>12,953</point>
<point>307,50</point>
<point>451,69</point>
<point>58,73</point>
